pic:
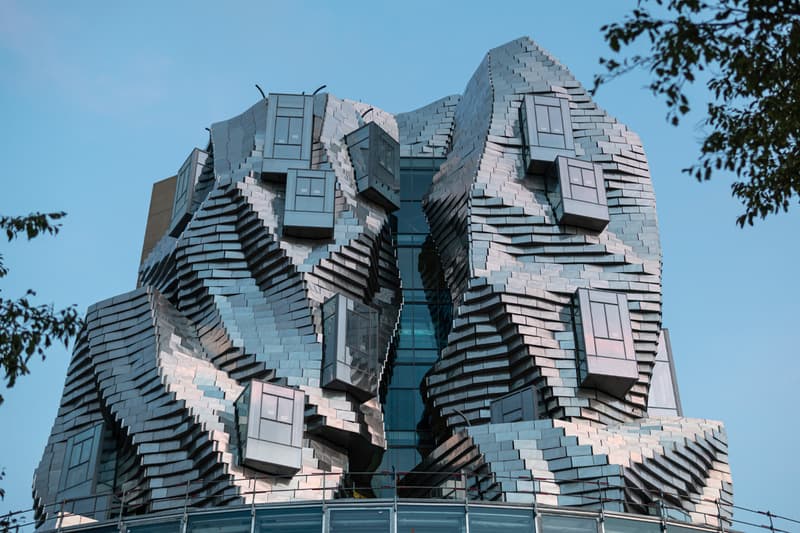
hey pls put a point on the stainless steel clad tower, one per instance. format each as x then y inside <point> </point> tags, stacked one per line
<point>472,286</point>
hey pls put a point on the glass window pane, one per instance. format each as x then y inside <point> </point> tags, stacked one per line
<point>619,525</point>
<point>285,408</point>
<point>295,130</point>
<point>269,406</point>
<point>679,529</point>
<point>304,520</point>
<point>433,519</point>
<point>317,187</point>
<point>410,218</point>
<point>158,527</point>
<point>235,522</point>
<point>509,520</point>
<point>362,520</point>
<point>281,130</point>
<point>568,524</point>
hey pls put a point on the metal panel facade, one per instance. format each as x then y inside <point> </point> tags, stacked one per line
<point>258,362</point>
<point>514,407</point>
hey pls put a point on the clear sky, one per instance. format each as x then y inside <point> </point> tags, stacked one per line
<point>98,100</point>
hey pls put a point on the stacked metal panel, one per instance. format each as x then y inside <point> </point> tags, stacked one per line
<point>562,298</point>
<point>672,465</point>
<point>230,305</point>
<point>227,372</point>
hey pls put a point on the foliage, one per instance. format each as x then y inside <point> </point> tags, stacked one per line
<point>25,328</point>
<point>749,53</point>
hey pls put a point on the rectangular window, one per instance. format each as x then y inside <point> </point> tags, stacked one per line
<point>288,134</point>
<point>606,355</point>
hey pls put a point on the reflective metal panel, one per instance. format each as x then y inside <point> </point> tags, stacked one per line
<point>664,398</point>
<point>519,405</point>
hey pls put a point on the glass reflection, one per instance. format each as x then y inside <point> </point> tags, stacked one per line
<point>568,524</point>
<point>302,520</point>
<point>422,519</point>
<point>359,521</point>
<point>510,520</point>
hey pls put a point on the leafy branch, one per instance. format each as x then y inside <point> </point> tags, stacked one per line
<point>749,51</point>
<point>27,329</point>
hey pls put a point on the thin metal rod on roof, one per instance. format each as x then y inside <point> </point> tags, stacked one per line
<point>264,96</point>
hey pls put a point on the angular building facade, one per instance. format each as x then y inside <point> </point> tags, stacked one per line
<point>337,304</point>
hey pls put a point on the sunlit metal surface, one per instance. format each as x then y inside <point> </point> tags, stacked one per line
<point>522,219</point>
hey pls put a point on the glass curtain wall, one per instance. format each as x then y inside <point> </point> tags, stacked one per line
<point>424,320</point>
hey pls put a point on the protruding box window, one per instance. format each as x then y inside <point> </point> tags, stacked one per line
<point>664,399</point>
<point>79,470</point>
<point>187,179</point>
<point>270,422</point>
<point>350,347</point>
<point>309,203</point>
<point>376,162</point>
<point>287,144</point>
<point>519,405</point>
<point>546,131</point>
<point>578,193</point>
<point>606,357</point>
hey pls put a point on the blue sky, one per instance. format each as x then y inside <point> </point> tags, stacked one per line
<point>98,100</point>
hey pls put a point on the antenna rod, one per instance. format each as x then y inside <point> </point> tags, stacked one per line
<point>264,96</point>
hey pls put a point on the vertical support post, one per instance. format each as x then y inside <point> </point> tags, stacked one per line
<point>771,524</point>
<point>466,502</point>
<point>122,509</point>
<point>601,519</point>
<point>324,505</point>
<point>394,507</point>
<point>185,520</point>
<point>719,516</point>
<point>60,516</point>
<point>252,505</point>
<point>661,511</point>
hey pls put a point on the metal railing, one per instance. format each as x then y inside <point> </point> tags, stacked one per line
<point>463,486</point>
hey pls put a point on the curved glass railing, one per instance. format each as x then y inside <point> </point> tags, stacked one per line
<point>388,516</point>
